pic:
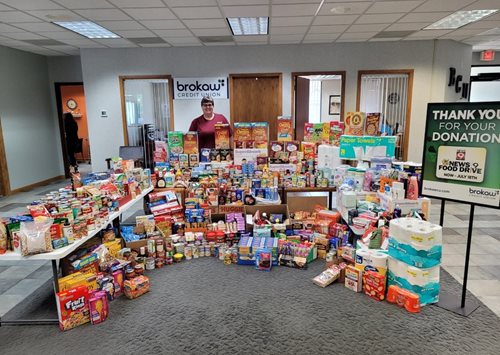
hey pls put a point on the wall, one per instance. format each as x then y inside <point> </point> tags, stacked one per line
<point>27,118</point>
<point>77,93</point>
<point>329,87</point>
<point>477,55</point>
<point>101,68</point>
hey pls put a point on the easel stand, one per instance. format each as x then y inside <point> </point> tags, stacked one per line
<point>447,300</point>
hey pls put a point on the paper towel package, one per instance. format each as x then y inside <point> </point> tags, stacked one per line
<point>415,242</point>
<point>328,156</point>
<point>423,282</point>
<point>369,260</point>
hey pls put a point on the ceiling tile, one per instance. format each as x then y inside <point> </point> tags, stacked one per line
<point>357,35</point>
<point>328,29</point>
<point>16,16</point>
<point>197,12</point>
<point>56,15</point>
<point>483,25</point>
<point>154,45</point>
<point>116,43</point>
<point>62,35</point>
<point>103,14</point>
<point>386,7</point>
<point>173,33</point>
<point>184,3</point>
<point>121,25</point>
<point>161,13</point>
<point>367,28</point>
<point>288,30</point>
<point>294,10</point>
<point>211,23</point>
<point>440,5</point>
<point>241,2</point>
<point>384,39</point>
<point>182,40</point>
<point>428,17</point>
<point>246,11</point>
<point>483,5</point>
<point>79,42</point>
<point>253,39</point>
<point>410,26</point>
<point>8,29</point>
<point>284,41</point>
<point>163,25</point>
<point>379,18</point>
<point>61,48</point>
<point>281,2</point>
<point>335,20</point>
<point>454,37</point>
<point>429,33</point>
<point>467,31</point>
<point>32,5</point>
<point>135,33</point>
<point>212,32</point>
<point>290,21</point>
<point>220,44</point>
<point>21,36</point>
<point>349,8</point>
<point>137,3</point>
<point>40,27</point>
<point>5,8</point>
<point>328,37</point>
<point>286,37</point>
<point>85,4</point>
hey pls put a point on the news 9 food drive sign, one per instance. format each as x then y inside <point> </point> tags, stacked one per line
<point>462,153</point>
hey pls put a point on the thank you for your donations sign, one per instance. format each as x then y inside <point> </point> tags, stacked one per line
<point>196,88</point>
<point>462,152</point>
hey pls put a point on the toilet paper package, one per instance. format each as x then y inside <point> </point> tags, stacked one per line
<point>423,282</point>
<point>417,243</point>
<point>328,156</point>
<point>369,260</point>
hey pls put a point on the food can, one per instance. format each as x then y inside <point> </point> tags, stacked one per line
<point>196,252</point>
<point>201,250</point>
<point>207,250</point>
<point>222,251</point>
<point>150,263</point>
<point>188,252</point>
<point>151,246</point>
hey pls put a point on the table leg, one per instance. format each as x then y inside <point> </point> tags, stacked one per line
<point>55,274</point>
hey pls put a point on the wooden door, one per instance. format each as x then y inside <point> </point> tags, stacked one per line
<point>4,172</point>
<point>256,98</point>
<point>301,106</point>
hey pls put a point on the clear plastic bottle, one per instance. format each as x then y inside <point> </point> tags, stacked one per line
<point>412,193</point>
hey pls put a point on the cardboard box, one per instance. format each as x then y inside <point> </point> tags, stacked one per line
<point>222,136</point>
<point>242,135</point>
<point>284,128</point>
<point>305,203</point>
<point>269,209</point>
<point>191,143</point>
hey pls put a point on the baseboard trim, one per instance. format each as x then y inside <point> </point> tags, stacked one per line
<point>37,184</point>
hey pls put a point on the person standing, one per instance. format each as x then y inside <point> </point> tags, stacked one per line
<point>205,124</point>
<point>72,140</point>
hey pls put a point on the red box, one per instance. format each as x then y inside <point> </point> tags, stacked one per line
<point>73,307</point>
<point>374,285</point>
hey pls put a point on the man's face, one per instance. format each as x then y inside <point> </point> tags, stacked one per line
<point>208,108</point>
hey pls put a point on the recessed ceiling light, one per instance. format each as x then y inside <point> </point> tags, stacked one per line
<point>88,29</point>
<point>340,10</point>
<point>245,26</point>
<point>459,19</point>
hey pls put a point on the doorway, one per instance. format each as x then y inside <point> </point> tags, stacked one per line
<point>256,98</point>
<point>70,97</point>
<point>4,172</point>
<point>317,97</point>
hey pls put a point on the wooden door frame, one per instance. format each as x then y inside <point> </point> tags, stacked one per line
<point>122,79</point>
<point>410,73</point>
<point>4,169</point>
<point>342,74</point>
<point>60,113</point>
<point>256,75</point>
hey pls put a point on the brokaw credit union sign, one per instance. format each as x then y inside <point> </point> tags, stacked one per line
<point>196,88</point>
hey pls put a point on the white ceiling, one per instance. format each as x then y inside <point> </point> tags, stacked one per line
<point>26,24</point>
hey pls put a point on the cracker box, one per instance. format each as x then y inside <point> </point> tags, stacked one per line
<point>73,307</point>
<point>260,134</point>
<point>222,136</point>
<point>354,123</point>
<point>374,285</point>
<point>243,135</point>
<point>285,128</point>
<point>191,143</point>
<point>353,278</point>
<point>175,141</point>
<point>336,130</point>
<point>372,124</point>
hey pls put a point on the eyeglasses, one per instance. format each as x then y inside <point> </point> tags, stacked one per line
<point>207,105</point>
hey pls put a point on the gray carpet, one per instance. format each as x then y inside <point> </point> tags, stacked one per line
<point>205,306</point>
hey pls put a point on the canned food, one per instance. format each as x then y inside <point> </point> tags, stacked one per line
<point>150,263</point>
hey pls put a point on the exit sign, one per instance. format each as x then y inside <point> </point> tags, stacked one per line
<point>487,56</point>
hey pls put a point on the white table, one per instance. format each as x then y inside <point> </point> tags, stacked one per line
<point>61,253</point>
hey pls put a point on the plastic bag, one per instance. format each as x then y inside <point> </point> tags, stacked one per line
<point>35,237</point>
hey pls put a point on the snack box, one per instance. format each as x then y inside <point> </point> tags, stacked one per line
<point>353,278</point>
<point>374,285</point>
<point>222,136</point>
<point>136,287</point>
<point>243,135</point>
<point>260,134</point>
<point>73,307</point>
<point>191,143</point>
<point>175,141</point>
<point>98,307</point>
<point>285,128</point>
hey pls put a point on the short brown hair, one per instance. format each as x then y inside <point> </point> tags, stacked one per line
<point>207,99</point>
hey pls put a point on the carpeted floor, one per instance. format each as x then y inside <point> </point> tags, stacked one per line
<point>205,306</point>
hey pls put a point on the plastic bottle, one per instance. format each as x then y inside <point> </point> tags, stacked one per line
<point>412,193</point>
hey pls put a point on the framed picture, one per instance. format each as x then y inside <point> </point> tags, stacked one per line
<point>334,105</point>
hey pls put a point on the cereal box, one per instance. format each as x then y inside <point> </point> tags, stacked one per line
<point>191,143</point>
<point>260,134</point>
<point>222,136</point>
<point>309,150</point>
<point>292,148</point>
<point>276,153</point>
<point>243,135</point>
<point>175,141</point>
<point>317,132</point>
<point>285,128</point>
<point>372,124</point>
<point>354,123</point>
<point>72,307</point>
<point>336,130</point>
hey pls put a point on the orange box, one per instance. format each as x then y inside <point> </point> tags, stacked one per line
<point>243,135</point>
<point>191,143</point>
<point>222,136</point>
<point>260,134</point>
<point>285,129</point>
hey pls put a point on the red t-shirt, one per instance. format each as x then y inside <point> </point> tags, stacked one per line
<point>206,129</point>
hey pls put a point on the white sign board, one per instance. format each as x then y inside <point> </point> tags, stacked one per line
<point>196,88</point>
